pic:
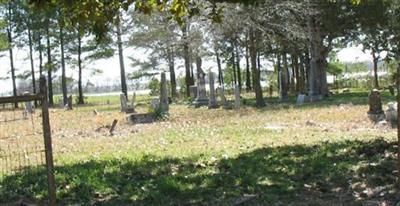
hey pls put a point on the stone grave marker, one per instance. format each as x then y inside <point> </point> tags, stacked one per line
<point>221,94</point>
<point>201,99</point>
<point>193,91</point>
<point>154,103</point>
<point>301,99</point>
<point>391,113</point>
<point>213,98</point>
<point>69,103</point>
<point>164,103</point>
<point>375,112</point>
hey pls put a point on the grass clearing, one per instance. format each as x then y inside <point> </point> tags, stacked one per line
<point>279,155</point>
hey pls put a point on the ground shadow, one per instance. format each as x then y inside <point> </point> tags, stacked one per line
<point>347,173</point>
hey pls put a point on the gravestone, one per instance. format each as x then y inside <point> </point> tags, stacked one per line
<point>301,99</point>
<point>155,103</point>
<point>221,94</point>
<point>28,105</point>
<point>69,103</point>
<point>391,113</point>
<point>164,103</point>
<point>201,99</point>
<point>237,97</point>
<point>375,112</point>
<point>213,99</point>
<point>124,102</point>
<point>133,102</point>
<point>193,91</point>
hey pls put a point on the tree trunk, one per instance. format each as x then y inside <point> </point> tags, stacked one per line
<point>171,64</point>
<point>63,75</point>
<point>255,71</point>
<point>239,75</point>
<point>13,78</point>
<point>302,74</point>
<point>40,56</point>
<point>398,124</point>
<point>285,75</point>
<point>375,60</point>
<point>49,69</point>
<point>32,63</point>
<point>314,80</point>
<point>124,87</point>
<point>186,57</point>
<point>233,64</point>
<point>292,78</point>
<point>307,65</point>
<point>220,74</point>
<point>295,63</point>
<point>318,58</point>
<point>80,89</point>
<point>248,75</point>
<point>281,79</point>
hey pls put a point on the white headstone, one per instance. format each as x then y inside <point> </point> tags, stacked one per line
<point>391,112</point>
<point>301,99</point>
<point>213,99</point>
<point>155,102</point>
<point>164,104</point>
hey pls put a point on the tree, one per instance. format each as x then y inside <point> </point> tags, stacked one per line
<point>158,34</point>
<point>87,49</point>
<point>374,31</point>
<point>10,19</point>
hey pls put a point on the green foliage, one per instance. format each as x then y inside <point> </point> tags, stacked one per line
<point>335,68</point>
<point>154,86</point>
<point>356,67</point>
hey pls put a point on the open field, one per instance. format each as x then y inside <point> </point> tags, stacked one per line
<point>310,155</point>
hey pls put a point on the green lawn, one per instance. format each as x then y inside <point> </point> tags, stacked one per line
<point>279,155</point>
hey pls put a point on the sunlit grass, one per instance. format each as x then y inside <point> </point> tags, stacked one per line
<point>211,157</point>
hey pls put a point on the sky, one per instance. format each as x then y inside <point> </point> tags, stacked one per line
<point>110,67</point>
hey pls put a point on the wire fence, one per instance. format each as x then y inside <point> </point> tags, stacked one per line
<point>21,138</point>
<point>25,137</point>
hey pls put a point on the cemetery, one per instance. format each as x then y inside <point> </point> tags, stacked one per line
<point>188,102</point>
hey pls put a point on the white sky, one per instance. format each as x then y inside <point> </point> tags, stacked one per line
<point>110,67</point>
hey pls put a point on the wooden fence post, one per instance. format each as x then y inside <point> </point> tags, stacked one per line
<point>47,142</point>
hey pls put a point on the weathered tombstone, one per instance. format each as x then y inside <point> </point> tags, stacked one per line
<point>213,98</point>
<point>391,113</point>
<point>193,91</point>
<point>164,104</point>
<point>237,97</point>
<point>28,107</point>
<point>155,103</point>
<point>201,99</point>
<point>133,102</point>
<point>124,103</point>
<point>144,118</point>
<point>221,94</point>
<point>301,99</point>
<point>69,104</point>
<point>375,112</point>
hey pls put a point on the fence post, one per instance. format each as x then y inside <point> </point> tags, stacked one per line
<point>47,142</point>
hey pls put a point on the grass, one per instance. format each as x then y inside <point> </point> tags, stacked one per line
<point>278,155</point>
